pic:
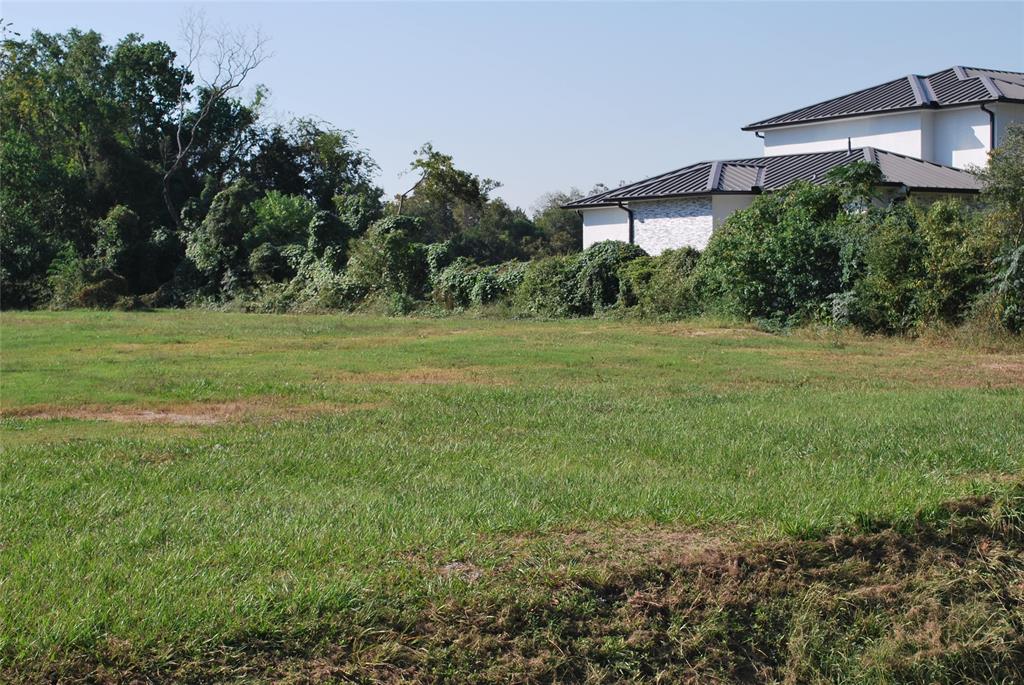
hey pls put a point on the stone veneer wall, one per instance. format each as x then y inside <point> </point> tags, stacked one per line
<point>667,224</point>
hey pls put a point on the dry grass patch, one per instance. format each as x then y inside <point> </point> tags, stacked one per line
<point>467,375</point>
<point>188,414</point>
<point>683,330</point>
<point>907,367</point>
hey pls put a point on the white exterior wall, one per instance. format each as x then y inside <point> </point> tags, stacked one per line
<point>668,224</point>
<point>722,206</point>
<point>956,137</point>
<point>960,137</point>
<point>604,223</point>
<point>900,133</point>
<point>1006,113</point>
<point>925,198</point>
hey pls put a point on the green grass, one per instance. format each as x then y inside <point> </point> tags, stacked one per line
<point>425,439</point>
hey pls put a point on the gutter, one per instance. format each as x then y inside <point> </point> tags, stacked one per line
<point>991,128</point>
<point>629,213</point>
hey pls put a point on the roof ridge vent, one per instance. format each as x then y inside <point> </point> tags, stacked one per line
<point>759,177</point>
<point>991,87</point>
<point>869,155</point>
<point>961,73</point>
<point>922,91</point>
<point>715,176</point>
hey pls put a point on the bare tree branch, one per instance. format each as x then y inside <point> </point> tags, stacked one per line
<point>217,62</point>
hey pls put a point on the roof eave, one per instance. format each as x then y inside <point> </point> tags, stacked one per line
<point>928,189</point>
<point>759,191</point>
<point>898,110</point>
<point>647,198</point>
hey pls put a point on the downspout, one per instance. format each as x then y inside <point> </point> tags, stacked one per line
<point>629,213</point>
<point>991,128</point>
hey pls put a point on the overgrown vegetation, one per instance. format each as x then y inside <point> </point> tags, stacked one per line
<point>127,179</point>
<point>287,218</point>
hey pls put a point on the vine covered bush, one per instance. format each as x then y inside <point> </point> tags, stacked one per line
<point>661,286</point>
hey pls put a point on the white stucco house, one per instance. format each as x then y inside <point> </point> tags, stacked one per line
<point>921,131</point>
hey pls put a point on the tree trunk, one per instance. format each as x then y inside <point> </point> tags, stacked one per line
<point>169,203</point>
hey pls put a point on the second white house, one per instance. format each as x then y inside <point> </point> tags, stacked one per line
<point>921,131</point>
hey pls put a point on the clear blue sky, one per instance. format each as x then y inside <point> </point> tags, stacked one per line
<point>548,96</point>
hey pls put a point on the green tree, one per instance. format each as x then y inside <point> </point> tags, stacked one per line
<point>89,122</point>
<point>280,219</point>
<point>447,198</point>
<point>322,163</point>
<point>561,229</point>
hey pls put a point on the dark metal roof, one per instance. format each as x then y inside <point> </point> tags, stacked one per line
<point>758,174</point>
<point>949,87</point>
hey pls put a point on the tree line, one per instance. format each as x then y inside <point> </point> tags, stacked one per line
<point>128,170</point>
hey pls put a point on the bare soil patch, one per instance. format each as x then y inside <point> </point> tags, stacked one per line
<point>187,414</point>
<point>954,372</point>
<point>684,331</point>
<point>468,375</point>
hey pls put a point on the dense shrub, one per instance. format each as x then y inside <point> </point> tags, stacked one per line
<point>388,259</point>
<point>597,276</point>
<point>548,287</point>
<point>911,265</point>
<point>142,257</point>
<point>886,291</point>
<point>1004,186</point>
<point>575,285</point>
<point>497,283</point>
<point>66,278</point>
<point>439,256</point>
<point>268,265</point>
<point>121,241</point>
<point>453,285</point>
<point>959,249</point>
<point>1008,289</point>
<point>662,285</point>
<point>104,290</point>
<point>464,283</point>
<point>328,233</point>
<point>778,258</point>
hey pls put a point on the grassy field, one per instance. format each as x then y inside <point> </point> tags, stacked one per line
<point>218,496</point>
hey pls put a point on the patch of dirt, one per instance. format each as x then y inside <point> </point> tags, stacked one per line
<point>1014,368</point>
<point>682,330</point>
<point>461,569</point>
<point>961,371</point>
<point>199,345</point>
<point>187,414</point>
<point>468,375</point>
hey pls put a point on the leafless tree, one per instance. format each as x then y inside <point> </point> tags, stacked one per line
<point>217,62</point>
